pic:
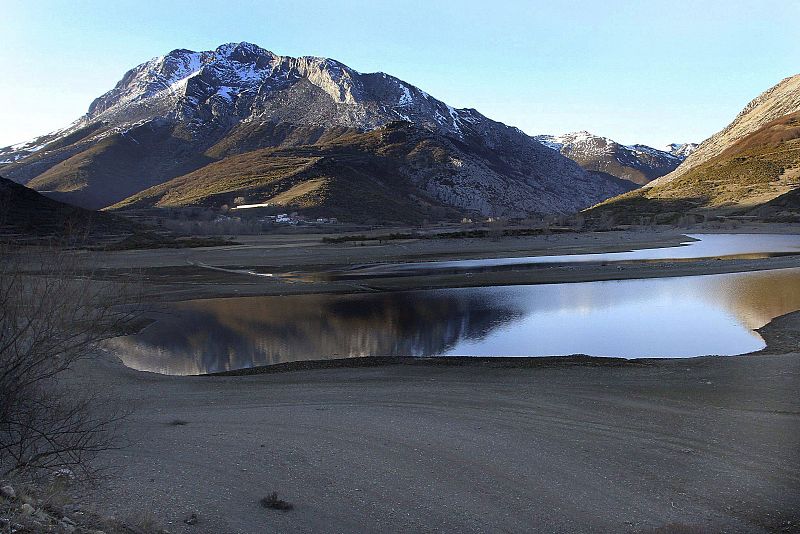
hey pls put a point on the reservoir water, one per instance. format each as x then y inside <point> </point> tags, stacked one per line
<point>665,317</point>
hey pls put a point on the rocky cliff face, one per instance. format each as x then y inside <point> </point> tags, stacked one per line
<point>175,114</point>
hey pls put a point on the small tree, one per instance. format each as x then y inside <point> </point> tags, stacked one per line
<point>52,314</point>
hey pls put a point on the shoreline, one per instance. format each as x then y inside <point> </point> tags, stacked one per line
<point>703,444</point>
<point>541,274</point>
<point>276,270</point>
<point>781,335</point>
<point>566,444</point>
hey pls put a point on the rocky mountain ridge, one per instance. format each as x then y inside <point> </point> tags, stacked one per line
<point>636,163</point>
<point>681,150</point>
<point>178,113</point>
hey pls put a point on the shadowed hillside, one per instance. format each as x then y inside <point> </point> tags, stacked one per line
<point>395,173</point>
<point>30,218</point>
<point>26,214</point>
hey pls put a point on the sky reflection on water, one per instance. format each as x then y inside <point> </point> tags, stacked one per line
<point>668,317</point>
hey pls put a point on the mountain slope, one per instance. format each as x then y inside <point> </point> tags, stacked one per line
<point>636,163</point>
<point>778,101</point>
<point>759,174</point>
<point>398,172</point>
<point>176,114</point>
<point>137,159</point>
<point>26,213</point>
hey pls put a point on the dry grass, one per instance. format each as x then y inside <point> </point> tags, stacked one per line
<point>759,168</point>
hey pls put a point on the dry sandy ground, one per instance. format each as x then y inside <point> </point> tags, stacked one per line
<point>703,445</point>
<point>177,274</point>
<point>709,444</point>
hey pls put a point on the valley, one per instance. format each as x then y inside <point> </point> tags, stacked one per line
<point>269,292</point>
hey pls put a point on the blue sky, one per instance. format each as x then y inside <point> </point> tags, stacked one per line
<point>650,71</point>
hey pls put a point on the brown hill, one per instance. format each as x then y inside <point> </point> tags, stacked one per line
<point>756,175</point>
<point>778,101</point>
<point>390,174</point>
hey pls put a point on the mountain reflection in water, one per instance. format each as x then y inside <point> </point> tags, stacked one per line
<point>668,317</point>
<point>220,334</point>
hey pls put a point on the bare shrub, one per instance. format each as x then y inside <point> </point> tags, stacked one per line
<point>53,314</point>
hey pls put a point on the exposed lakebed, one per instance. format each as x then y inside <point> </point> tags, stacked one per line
<point>721,246</point>
<point>662,317</point>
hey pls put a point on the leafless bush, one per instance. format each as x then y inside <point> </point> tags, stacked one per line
<point>52,314</point>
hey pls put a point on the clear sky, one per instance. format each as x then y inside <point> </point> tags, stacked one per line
<point>644,71</point>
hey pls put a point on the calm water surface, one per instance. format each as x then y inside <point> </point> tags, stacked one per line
<point>669,317</point>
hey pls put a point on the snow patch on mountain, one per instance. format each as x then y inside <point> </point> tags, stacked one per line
<point>550,141</point>
<point>198,99</point>
<point>405,99</point>
<point>587,143</point>
<point>456,118</point>
<point>650,151</point>
<point>681,150</point>
<point>637,163</point>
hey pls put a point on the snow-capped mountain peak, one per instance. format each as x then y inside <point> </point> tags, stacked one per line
<point>637,163</point>
<point>236,82</point>
<point>183,112</point>
<point>582,141</point>
<point>159,85</point>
